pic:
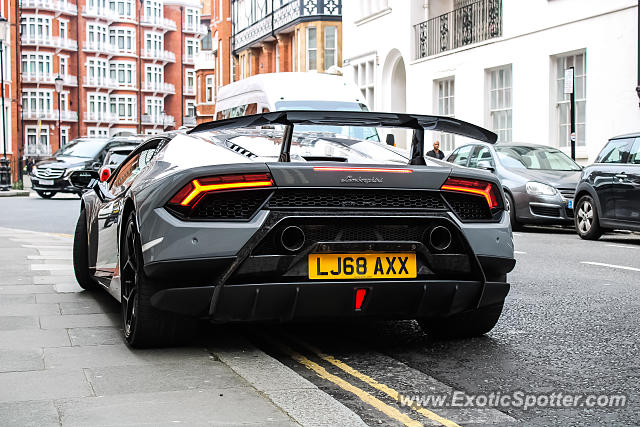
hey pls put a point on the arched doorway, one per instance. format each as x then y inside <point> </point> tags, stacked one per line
<point>394,79</point>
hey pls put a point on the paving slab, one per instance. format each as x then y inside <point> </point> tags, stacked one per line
<point>29,414</point>
<point>79,320</point>
<point>17,299</point>
<point>43,385</point>
<point>53,279</point>
<point>9,323</point>
<point>21,360</point>
<point>68,286</point>
<point>95,336</point>
<point>238,407</point>
<point>65,297</point>
<point>29,309</point>
<point>34,338</point>
<point>53,257</point>
<point>26,289</point>
<point>88,307</point>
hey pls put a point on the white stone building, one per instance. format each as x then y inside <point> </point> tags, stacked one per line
<point>500,64</point>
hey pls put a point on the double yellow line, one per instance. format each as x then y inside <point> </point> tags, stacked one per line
<point>378,404</point>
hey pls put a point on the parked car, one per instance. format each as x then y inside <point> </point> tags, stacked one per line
<point>247,219</point>
<point>539,181</point>
<point>608,195</point>
<point>52,176</point>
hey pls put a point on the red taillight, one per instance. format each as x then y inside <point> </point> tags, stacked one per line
<point>191,193</point>
<point>360,294</point>
<point>473,186</point>
<point>105,173</point>
<point>345,169</point>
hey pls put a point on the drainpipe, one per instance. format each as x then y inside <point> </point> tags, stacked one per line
<point>638,87</point>
<point>182,40</point>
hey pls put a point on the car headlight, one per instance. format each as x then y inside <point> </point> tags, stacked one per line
<point>540,189</point>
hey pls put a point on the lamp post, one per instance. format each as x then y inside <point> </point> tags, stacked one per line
<point>5,167</point>
<point>59,82</point>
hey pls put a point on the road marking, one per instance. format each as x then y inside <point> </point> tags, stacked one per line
<point>519,253</point>
<point>622,246</point>
<point>375,384</point>
<point>390,411</point>
<point>621,267</point>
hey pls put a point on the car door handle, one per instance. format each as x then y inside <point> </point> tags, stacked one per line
<point>621,175</point>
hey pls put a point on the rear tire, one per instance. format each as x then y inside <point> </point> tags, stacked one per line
<point>81,255</point>
<point>144,325</point>
<point>46,194</point>
<point>586,219</point>
<point>468,324</point>
<point>511,208</point>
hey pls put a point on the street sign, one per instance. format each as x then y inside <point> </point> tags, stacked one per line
<point>568,81</point>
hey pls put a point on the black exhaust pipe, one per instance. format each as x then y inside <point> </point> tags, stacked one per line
<point>292,238</point>
<point>440,238</point>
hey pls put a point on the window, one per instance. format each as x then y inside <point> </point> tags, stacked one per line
<point>64,136</point>
<point>461,155</point>
<point>98,132</point>
<point>123,72</point>
<point>97,69</point>
<point>37,139</point>
<point>330,46</point>
<point>277,46</point>
<point>123,7</point>
<point>154,106</point>
<point>364,76</point>
<point>191,47</point>
<point>500,114</point>
<point>153,8</point>
<point>64,65</point>
<point>209,89</point>
<point>634,154</point>
<point>124,38</point>
<point>207,42</point>
<point>33,63</point>
<point>481,153</point>
<point>123,106</point>
<point>37,101</point>
<point>190,80</point>
<point>64,101</point>
<point>190,108</point>
<point>97,35</point>
<point>154,41</point>
<point>128,171</point>
<point>579,62</point>
<point>615,151</point>
<point>64,29</point>
<point>36,26</point>
<point>154,74</point>
<point>446,107</point>
<point>192,17</point>
<point>311,49</point>
<point>97,104</point>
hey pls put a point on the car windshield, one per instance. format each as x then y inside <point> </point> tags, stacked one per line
<point>367,133</point>
<point>88,148</point>
<point>539,158</point>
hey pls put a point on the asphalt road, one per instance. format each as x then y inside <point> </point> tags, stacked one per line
<point>570,325</point>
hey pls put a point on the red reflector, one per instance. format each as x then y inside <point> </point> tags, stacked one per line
<point>105,173</point>
<point>191,193</point>
<point>473,186</point>
<point>343,169</point>
<point>360,294</point>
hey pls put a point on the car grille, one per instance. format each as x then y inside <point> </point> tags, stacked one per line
<point>469,208</point>
<point>49,173</point>
<point>545,211</point>
<point>356,199</point>
<point>567,193</point>
<point>230,206</point>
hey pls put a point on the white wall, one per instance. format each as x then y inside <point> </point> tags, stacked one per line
<point>532,35</point>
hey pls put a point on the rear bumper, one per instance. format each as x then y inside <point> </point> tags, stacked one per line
<point>282,302</point>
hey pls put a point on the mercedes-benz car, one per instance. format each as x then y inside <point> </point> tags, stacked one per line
<point>257,219</point>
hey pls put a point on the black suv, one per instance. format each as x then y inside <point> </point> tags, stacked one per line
<point>51,176</point>
<point>608,195</point>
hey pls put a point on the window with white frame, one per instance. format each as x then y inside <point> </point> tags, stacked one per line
<point>97,4</point>
<point>98,132</point>
<point>154,41</point>
<point>190,80</point>
<point>37,140</point>
<point>277,57</point>
<point>364,78</point>
<point>64,65</point>
<point>154,106</point>
<point>190,108</point>
<point>97,35</point>
<point>192,17</point>
<point>312,49</point>
<point>64,136</point>
<point>330,46</point>
<point>98,104</point>
<point>123,72</point>
<point>209,88</point>
<point>36,26</point>
<point>154,74</point>
<point>499,102</point>
<point>36,63</point>
<point>97,69</point>
<point>37,101</point>
<point>445,90</point>
<point>64,101</point>
<point>191,46</point>
<point>123,38</point>
<point>579,62</point>
<point>123,106</point>
<point>64,29</point>
<point>123,8</point>
<point>153,8</point>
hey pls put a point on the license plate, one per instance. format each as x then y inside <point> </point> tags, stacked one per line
<point>362,266</point>
<point>570,203</point>
<point>46,182</point>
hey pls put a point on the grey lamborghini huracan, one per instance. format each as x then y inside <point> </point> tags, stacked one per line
<point>281,217</point>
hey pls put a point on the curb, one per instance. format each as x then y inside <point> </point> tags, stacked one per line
<point>14,193</point>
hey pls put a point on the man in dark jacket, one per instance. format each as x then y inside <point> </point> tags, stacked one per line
<point>436,153</point>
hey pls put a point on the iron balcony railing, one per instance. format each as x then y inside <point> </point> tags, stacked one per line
<point>282,16</point>
<point>33,149</point>
<point>158,22</point>
<point>158,120</point>
<point>473,23</point>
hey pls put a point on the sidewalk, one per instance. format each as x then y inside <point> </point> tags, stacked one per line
<point>63,361</point>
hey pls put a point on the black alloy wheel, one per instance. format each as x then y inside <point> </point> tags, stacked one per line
<point>129,279</point>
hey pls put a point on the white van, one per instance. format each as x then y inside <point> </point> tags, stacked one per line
<point>265,93</point>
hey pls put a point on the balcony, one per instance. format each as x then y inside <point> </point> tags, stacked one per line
<point>163,120</point>
<point>106,48</point>
<point>474,23</point>
<point>158,22</point>
<point>37,150</point>
<point>99,117</point>
<point>188,90</point>
<point>102,14</point>
<point>189,121</point>
<point>48,41</point>
<point>100,82</point>
<point>271,21</point>
<point>161,87</point>
<point>205,60</point>
<point>47,78</point>
<point>159,55</point>
<point>188,59</point>
<point>195,28</point>
<point>61,6</point>
<point>50,115</point>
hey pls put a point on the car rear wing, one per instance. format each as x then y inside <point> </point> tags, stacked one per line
<point>419,123</point>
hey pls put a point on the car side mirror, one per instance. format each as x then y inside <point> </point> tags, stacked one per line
<point>486,165</point>
<point>82,178</point>
<point>105,173</point>
<point>96,165</point>
<point>391,139</point>
<point>95,186</point>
